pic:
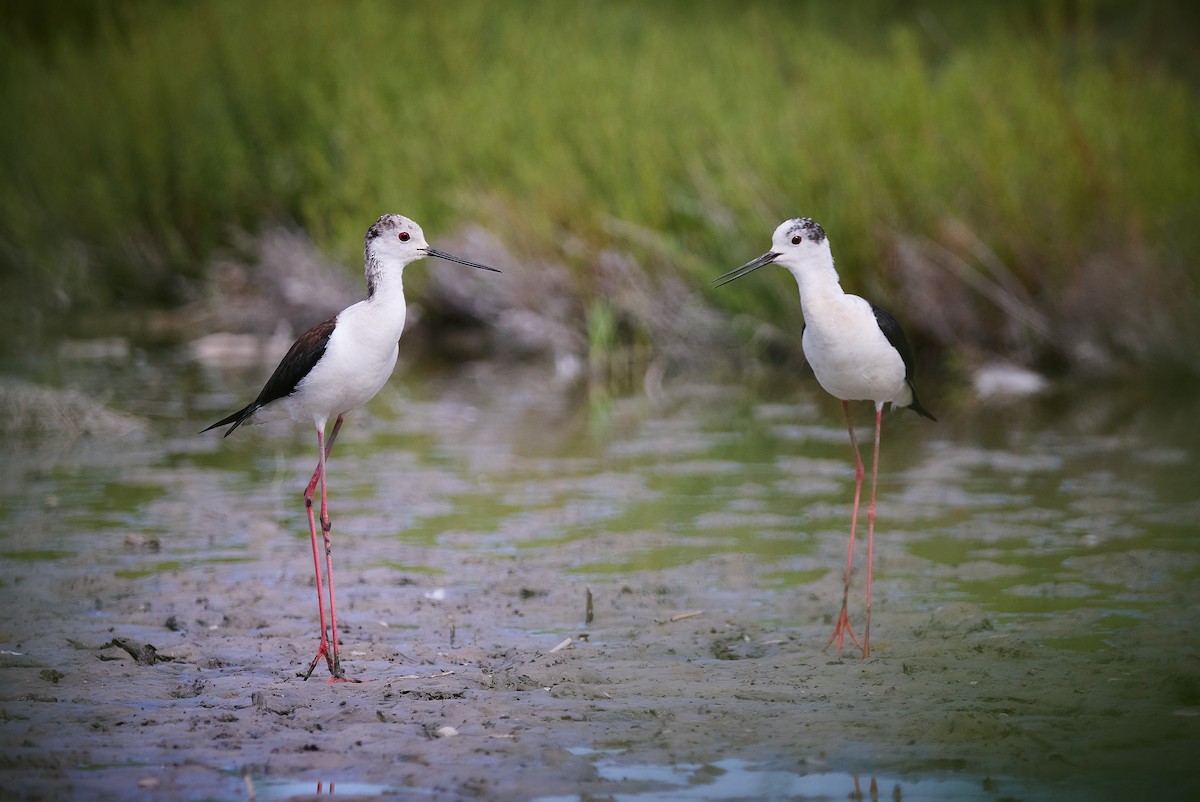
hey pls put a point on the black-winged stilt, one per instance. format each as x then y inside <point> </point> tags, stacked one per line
<point>337,366</point>
<point>858,353</point>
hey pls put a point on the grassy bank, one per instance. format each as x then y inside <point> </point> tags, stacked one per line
<point>1028,169</point>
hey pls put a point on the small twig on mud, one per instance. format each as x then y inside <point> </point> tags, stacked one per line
<point>84,647</point>
<point>249,783</point>
<point>144,655</point>
<point>587,615</point>
<point>679,617</point>
<point>430,676</point>
<point>561,646</point>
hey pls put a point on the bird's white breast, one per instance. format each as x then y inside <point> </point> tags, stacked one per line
<point>358,360</point>
<point>849,354</point>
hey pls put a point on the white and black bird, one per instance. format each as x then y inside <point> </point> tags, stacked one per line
<point>336,367</point>
<point>857,351</point>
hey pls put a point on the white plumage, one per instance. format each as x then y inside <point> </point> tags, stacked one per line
<point>857,352</point>
<point>337,366</point>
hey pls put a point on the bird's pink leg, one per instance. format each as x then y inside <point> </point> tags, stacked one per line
<point>328,649</point>
<point>871,528</point>
<point>338,675</point>
<point>312,483</point>
<point>323,649</point>
<point>842,629</point>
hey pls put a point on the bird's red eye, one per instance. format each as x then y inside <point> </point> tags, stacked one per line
<point>796,239</point>
<point>404,236</point>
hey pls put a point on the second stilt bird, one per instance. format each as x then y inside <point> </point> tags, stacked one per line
<point>858,353</point>
<point>335,367</point>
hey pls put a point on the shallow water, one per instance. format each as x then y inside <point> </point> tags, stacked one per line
<point>1027,509</point>
<point>1069,519</point>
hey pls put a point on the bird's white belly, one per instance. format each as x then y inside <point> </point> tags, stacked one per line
<point>857,368</point>
<point>337,385</point>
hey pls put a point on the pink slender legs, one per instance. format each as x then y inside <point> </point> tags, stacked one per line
<point>870,530</point>
<point>329,646</point>
<point>842,628</point>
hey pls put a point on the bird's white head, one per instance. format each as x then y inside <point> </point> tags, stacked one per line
<point>798,244</point>
<point>394,241</point>
<point>394,238</point>
<point>798,239</point>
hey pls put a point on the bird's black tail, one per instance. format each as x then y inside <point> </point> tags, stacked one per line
<point>915,406</point>
<point>237,419</point>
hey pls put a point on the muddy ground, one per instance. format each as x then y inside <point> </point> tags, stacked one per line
<point>946,693</point>
<point>707,680</point>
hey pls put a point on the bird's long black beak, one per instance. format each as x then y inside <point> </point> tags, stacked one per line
<point>746,269</point>
<point>452,258</point>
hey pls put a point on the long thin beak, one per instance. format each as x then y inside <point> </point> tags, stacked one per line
<point>746,269</point>
<point>451,258</point>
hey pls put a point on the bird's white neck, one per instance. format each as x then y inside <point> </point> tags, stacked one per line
<point>818,280</point>
<point>384,278</point>
<point>385,282</point>
<point>385,294</point>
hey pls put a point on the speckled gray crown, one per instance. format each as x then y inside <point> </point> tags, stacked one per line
<point>808,228</point>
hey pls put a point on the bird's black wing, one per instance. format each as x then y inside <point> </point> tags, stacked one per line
<point>895,335</point>
<point>297,363</point>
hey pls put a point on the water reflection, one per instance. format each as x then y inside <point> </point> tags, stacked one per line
<point>277,788</point>
<point>736,778</point>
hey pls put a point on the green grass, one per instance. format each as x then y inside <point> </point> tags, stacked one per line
<point>136,141</point>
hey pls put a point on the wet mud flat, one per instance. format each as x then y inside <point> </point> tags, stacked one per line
<point>1033,633</point>
<point>685,676</point>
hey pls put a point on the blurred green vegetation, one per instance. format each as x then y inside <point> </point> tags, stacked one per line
<point>139,136</point>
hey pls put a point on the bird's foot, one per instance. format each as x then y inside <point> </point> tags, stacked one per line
<point>841,630</point>
<point>339,674</point>
<point>322,651</point>
<point>342,678</point>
